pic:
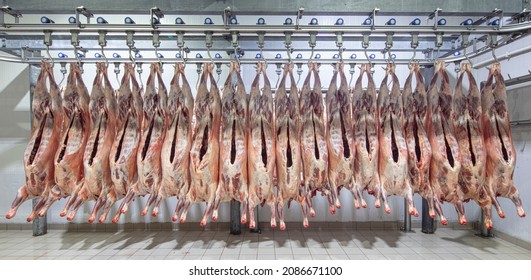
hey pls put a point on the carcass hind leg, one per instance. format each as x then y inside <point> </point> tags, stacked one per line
<point>152,197</point>
<point>377,189</point>
<point>304,208</point>
<point>308,200</point>
<point>272,207</point>
<point>409,196</point>
<point>125,203</point>
<point>185,207</point>
<point>81,198</point>
<point>109,202</point>
<point>515,197</point>
<point>438,209</point>
<point>22,195</point>
<point>156,208</point>
<point>251,204</point>
<point>280,206</point>
<point>460,208</point>
<point>53,196</point>
<point>208,210</point>
<point>36,209</point>
<point>355,194</point>
<point>383,195</point>
<point>495,202</point>
<point>244,209</point>
<point>100,202</point>
<point>217,202</point>
<point>332,198</point>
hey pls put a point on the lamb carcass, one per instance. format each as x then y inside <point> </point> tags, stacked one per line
<point>313,143</point>
<point>261,147</point>
<point>74,134</point>
<point>175,155</point>
<point>122,157</point>
<point>204,154</point>
<point>44,142</point>
<point>365,119</point>
<point>446,158</point>
<point>339,135</point>
<point>97,180</point>
<point>288,147</point>
<point>153,131</point>
<point>467,125</point>
<point>501,156</point>
<point>393,156</point>
<point>233,181</point>
<point>418,144</point>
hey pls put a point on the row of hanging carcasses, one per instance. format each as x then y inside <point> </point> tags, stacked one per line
<point>107,146</point>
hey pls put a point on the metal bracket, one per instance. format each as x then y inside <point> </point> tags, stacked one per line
<point>227,13</point>
<point>435,15</point>
<point>300,12</point>
<point>180,40</point>
<point>129,39</point>
<point>47,38</point>
<point>102,38</point>
<point>414,40</point>
<point>365,41</point>
<point>155,11</point>
<point>261,39</point>
<point>313,39</point>
<point>234,37</point>
<point>82,10</point>
<point>493,40</point>
<point>372,16</point>
<point>8,10</point>
<point>75,38</point>
<point>339,39</point>
<point>208,39</point>
<point>389,41</point>
<point>156,40</point>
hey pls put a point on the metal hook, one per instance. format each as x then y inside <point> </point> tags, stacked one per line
<point>494,55</point>
<point>49,56</point>
<point>467,58</point>
<point>414,55</point>
<point>158,57</point>
<point>210,56</point>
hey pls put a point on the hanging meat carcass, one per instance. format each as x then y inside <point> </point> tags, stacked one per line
<point>75,132</point>
<point>261,147</point>
<point>122,157</point>
<point>392,155</point>
<point>501,156</point>
<point>313,143</point>
<point>288,147</point>
<point>418,144</point>
<point>365,119</point>
<point>446,158</point>
<point>233,181</point>
<point>339,135</point>
<point>175,155</point>
<point>204,154</point>
<point>467,125</point>
<point>44,142</point>
<point>153,131</point>
<point>97,178</point>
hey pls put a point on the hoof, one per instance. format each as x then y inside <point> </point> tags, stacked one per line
<point>282,227</point>
<point>243,221</point>
<point>154,214</point>
<point>332,211</point>
<point>364,205</point>
<point>444,222</point>
<point>115,220</point>
<point>101,220</point>
<point>181,220</point>
<point>521,214</point>
<point>214,218</point>
<point>388,211</point>
<point>62,214</point>
<point>306,225</point>
<point>432,216</point>
<point>143,213</point>
<point>273,225</point>
<point>377,205</point>
<point>10,215</point>
<point>69,218</point>
<point>123,211</point>
<point>312,213</point>
<point>202,224</point>
<point>502,215</point>
<point>251,226</point>
<point>29,219</point>
<point>91,220</point>
<point>463,222</point>
<point>174,219</point>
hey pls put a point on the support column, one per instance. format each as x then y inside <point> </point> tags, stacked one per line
<point>235,218</point>
<point>257,228</point>
<point>407,218</point>
<point>40,224</point>
<point>428,225</point>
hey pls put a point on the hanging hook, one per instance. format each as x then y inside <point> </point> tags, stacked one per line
<point>413,57</point>
<point>494,55</point>
<point>467,58</point>
<point>49,56</point>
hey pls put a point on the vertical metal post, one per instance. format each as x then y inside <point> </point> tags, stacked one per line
<point>235,218</point>
<point>40,225</point>
<point>427,222</point>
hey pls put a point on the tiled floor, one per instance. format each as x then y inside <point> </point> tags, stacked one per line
<point>446,244</point>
